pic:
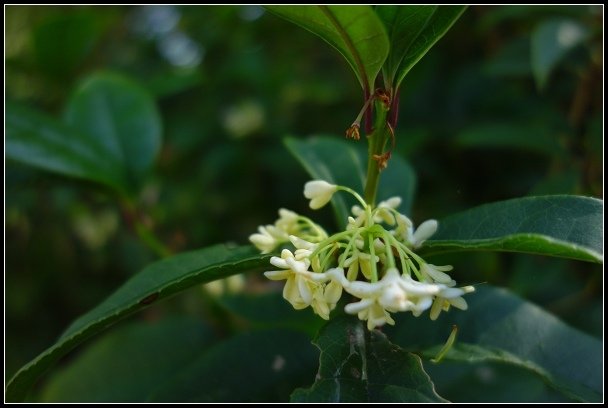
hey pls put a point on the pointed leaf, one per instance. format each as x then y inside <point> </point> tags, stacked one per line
<point>39,140</point>
<point>157,281</point>
<point>356,369</point>
<point>561,225</point>
<point>355,31</point>
<point>341,162</point>
<point>500,327</point>
<point>121,116</point>
<point>412,31</point>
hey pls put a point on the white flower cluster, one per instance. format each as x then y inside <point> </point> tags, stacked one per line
<point>372,260</point>
<point>269,237</point>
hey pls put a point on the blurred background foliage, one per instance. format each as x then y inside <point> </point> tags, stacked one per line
<point>507,104</point>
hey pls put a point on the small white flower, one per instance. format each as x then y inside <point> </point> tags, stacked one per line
<point>304,249</point>
<point>319,192</point>
<point>354,223</point>
<point>288,221</point>
<point>325,298</point>
<point>383,213</point>
<point>392,293</point>
<point>450,297</point>
<point>264,240</point>
<point>358,220</point>
<point>271,236</point>
<point>368,310</point>
<point>392,202</point>
<point>405,228</point>
<point>352,263</point>
<point>402,294</point>
<point>300,243</point>
<point>424,232</point>
<point>437,273</point>
<point>304,288</point>
<point>357,210</point>
<point>365,263</point>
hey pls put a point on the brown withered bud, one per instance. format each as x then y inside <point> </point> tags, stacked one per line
<point>384,97</point>
<point>382,160</point>
<point>353,132</point>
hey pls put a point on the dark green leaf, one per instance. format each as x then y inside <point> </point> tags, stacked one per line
<point>413,30</point>
<point>271,310</point>
<point>355,31</point>
<point>41,141</point>
<point>122,117</point>
<point>551,41</point>
<point>500,327</point>
<point>344,163</point>
<point>128,364</point>
<point>356,369</point>
<point>157,281</point>
<point>262,366</point>
<point>484,382</point>
<point>561,225</point>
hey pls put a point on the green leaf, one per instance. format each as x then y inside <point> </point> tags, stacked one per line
<point>355,31</point>
<point>413,30</point>
<point>561,225</point>
<point>271,310</point>
<point>474,354</point>
<point>41,141</point>
<point>484,382</point>
<point>341,162</point>
<point>356,369</point>
<point>262,366</point>
<point>551,41</point>
<point>500,327</point>
<point>157,281</point>
<point>127,364</point>
<point>122,117</point>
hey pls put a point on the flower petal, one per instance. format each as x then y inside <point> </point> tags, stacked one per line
<point>459,303</point>
<point>291,292</point>
<point>333,292</point>
<point>278,275</point>
<point>300,243</point>
<point>435,273</point>
<point>363,289</point>
<point>357,307</point>
<point>436,308</point>
<point>304,289</point>
<point>279,262</point>
<point>319,192</point>
<point>424,232</point>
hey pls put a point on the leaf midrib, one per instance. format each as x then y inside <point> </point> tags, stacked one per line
<point>349,44</point>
